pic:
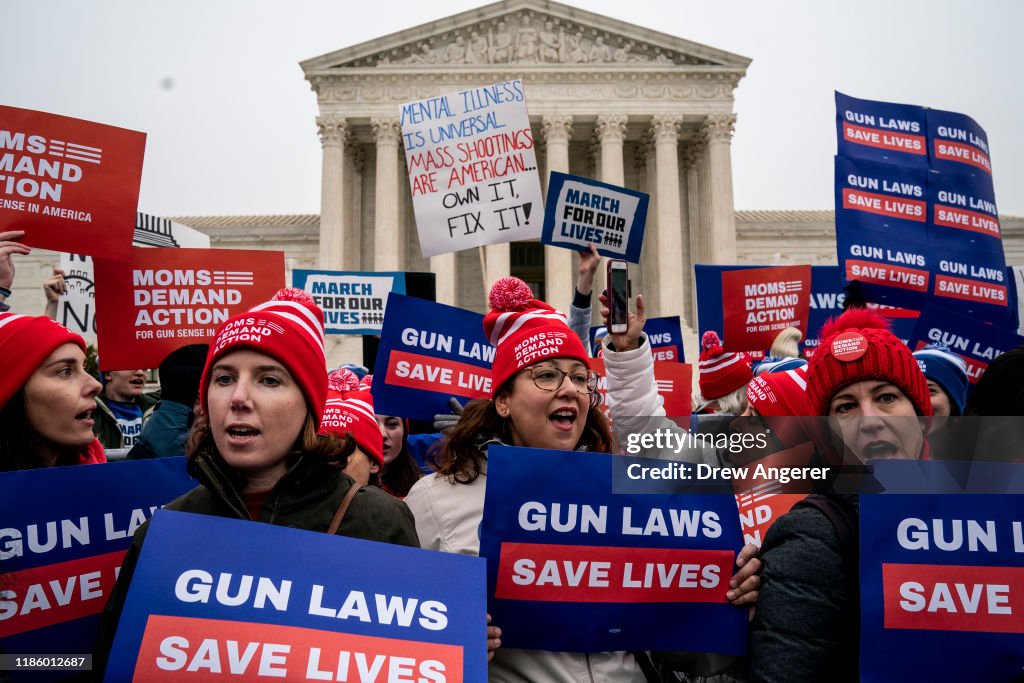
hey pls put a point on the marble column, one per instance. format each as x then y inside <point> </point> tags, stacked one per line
<point>558,262</point>
<point>610,132</point>
<point>443,268</point>
<point>646,164</point>
<point>355,164</point>
<point>334,132</point>
<point>387,251</point>
<point>718,131</point>
<point>665,129</point>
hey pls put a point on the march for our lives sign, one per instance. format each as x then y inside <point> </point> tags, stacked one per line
<point>942,587</point>
<point>352,302</point>
<point>60,552</point>
<point>472,168</point>
<point>572,567</point>
<point>428,353</point>
<point>977,344</point>
<point>581,212</point>
<point>214,597</point>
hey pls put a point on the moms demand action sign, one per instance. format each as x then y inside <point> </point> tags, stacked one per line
<point>942,576</point>
<point>226,599</point>
<point>71,185</point>
<point>167,298</point>
<point>573,567</point>
<point>63,534</point>
<point>758,303</point>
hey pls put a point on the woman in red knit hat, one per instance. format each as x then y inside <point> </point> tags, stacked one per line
<point>256,448</point>
<point>544,395</point>
<point>47,398</point>
<point>807,624</point>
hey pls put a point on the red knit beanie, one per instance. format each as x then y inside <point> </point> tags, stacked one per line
<point>349,410</point>
<point>858,346</point>
<point>25,342</point>
<point>721,372</point>
<point>525,331</point>
<point>290,329</point>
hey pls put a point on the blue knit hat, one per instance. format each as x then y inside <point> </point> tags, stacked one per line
<point>778,364</point>
<point>948,370</point>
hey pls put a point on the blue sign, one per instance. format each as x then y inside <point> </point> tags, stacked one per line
<point>63,535</point>
<point>245,600</point>
<point>580,212</point>
<point>665,336</point>
<point>881,131</point>
<point>428,353</point>
<point>978,344</point>
<point>958,144</point>
<point>573,567</point>
<point>352,302</point>
<point>942,588</point>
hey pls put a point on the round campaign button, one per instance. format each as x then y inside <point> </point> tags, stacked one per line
<point>849,346</point>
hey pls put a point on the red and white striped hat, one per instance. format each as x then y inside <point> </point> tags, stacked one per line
<point>525,331</point>
<point>290,329</point>
<point>721,372</point>
<point>349,410</point>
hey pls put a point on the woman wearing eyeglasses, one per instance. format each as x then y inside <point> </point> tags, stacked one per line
<point>544,395</point>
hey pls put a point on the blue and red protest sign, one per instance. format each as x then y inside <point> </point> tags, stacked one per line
<point>352,302</point>
<point>428,353</point>
<point>572,567</point>
<point>665,335</point>
<point>580,212</point>
<point>881,131</point>
<point>71,185</point>
<point>958,143</point>
<point>63,536</point>
<point>942,587</point>
<point>214,597</point>
<point>977,344</point>
<point>758,303</point>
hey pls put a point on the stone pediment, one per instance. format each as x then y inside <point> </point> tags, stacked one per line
<point>524,33</point>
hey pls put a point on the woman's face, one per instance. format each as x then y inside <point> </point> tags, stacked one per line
<point>392,429</point>
<point>60,398</point>
<point>360,466</point>
<point>546,419</point>
<point>257,411</point>
<point>875,419</point>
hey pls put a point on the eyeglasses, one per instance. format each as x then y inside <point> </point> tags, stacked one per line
<point>550,379</point>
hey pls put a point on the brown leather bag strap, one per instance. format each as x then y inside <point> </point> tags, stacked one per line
<point>343,508</point>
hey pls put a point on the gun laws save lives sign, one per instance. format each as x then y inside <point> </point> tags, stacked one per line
<point>60,552</point>
<point>164,299</point>
<point>472,168</point>
<point>225,599</point>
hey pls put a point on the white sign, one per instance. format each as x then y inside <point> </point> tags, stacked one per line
<point>472,168</point>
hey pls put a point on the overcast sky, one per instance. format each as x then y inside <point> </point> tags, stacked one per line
<point>217,86</point>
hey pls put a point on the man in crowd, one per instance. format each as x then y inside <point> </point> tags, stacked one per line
<point>120,407</point>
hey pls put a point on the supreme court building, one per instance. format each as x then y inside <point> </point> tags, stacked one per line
<point>609,100</point>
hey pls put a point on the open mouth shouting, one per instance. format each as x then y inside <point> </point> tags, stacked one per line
<point>240,434</point>
<point>564,418</point>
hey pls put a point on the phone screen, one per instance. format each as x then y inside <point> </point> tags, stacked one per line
<point>620,296</point>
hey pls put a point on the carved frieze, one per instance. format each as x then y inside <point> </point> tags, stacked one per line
<point>525,38</point>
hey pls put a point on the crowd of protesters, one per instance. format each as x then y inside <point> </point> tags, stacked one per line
<point>270,436</point>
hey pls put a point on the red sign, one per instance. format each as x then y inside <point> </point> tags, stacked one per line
<point>163,299</point>
<point>675,384</point>
<point>71,185</point>
<point>758,303</point>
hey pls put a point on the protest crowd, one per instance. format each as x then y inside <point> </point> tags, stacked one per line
<point>261,443</point>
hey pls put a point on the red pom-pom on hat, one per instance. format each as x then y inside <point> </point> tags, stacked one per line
<point>342,380</point>
<point>710,340</point>
<point>510,294</point>
<point>300,296</point>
